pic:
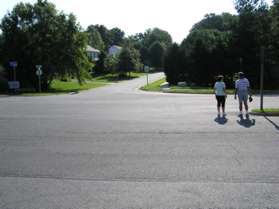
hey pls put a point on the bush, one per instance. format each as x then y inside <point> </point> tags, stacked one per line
<point>3,85</point>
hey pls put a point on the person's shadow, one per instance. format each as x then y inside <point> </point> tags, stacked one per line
<point>246,121</point>
<point>221,120</point>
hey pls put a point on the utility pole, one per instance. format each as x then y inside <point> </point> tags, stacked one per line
<point>262,77</point>
<point>39,73</point>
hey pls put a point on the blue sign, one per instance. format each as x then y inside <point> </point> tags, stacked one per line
<point>14,84</point>
<point>13,64</point>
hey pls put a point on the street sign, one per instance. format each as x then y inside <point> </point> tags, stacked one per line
<point>39,72</point>
<point>13,84</point>
<point>13,64</point>
<point>146,68</point>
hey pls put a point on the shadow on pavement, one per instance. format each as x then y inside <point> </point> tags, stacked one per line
<point>275,125</point>
<point>221,120</point>
<point>246,121</point>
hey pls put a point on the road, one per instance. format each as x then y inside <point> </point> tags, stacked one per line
<point>117,147</point>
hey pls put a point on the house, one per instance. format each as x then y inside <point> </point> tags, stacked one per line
<point>92,53</point>
<point>114,50</point>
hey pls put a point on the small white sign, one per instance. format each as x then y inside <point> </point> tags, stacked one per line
<point>146,68</point>
<point>39,72</point>
<point>13,84</point>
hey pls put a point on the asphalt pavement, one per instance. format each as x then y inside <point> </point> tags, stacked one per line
<point>117,147</point>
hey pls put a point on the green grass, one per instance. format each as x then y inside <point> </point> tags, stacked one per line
<point>155,86</point>
<point>116,78</point>
<point>73,86</point>
<point>64,87</point>
<point>267,110</point>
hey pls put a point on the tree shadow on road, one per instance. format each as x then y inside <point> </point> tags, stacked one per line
<point>221,120</point>
<point>246,121</point>
<point>273,123</point>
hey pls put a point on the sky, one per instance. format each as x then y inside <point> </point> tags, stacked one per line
<point>135,16</point>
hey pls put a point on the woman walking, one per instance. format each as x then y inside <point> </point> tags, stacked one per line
<point>220,93</point>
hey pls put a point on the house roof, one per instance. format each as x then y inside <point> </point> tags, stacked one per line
<point>115,46</point>
<point>91,49</point>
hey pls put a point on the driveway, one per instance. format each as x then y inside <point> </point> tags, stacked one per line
<point>117,147</point>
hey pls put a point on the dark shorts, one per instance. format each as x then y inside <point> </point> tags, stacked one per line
<point>221,100</point>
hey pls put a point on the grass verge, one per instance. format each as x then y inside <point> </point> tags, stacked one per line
<point>266,111</point>
<point>64,87</point>
<point>155,86</point>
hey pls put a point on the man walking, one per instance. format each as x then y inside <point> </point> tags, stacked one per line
<point>242,89</point>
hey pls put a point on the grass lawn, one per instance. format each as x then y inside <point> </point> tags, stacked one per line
<point>272,111</point>
<point>116,78</point>
<point>155,86</point>
<point>62,87</point>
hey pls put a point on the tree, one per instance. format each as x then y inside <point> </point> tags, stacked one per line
<point>251,34</point>
<point>99,67</point>
<point>223,22</point>
<point>129,60</point>
<point>156,34</point>
<point>143,42</point>
<point>39,34</point>
<point>116,36</point>
<point>249,6</point>
<point>156,53</point>
<point>105,35</point>
<point>206,54</point>
<point>173,66</point>
<point>272,74</point>
<point>94,38</point>
<point>110,63</point>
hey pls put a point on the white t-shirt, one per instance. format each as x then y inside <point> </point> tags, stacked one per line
<point>220,88</point>
<point>242,84</point>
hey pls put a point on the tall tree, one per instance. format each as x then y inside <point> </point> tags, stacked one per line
<point>105,35</point>
<point>128,60</point>
<point>116,36</point>
<point>157,53</point>
<point>143,42</point>
<point>173,66</point>
<point>251,34</point>
<point>159,35</point>
<point>39,34</point>
<point>94,38</point>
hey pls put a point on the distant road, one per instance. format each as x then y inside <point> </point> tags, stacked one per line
<point>117,147</point>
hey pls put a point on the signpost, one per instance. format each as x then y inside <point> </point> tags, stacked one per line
<point>146,70</point>
<point>13,64</point>
<point>39,73</point>
<point>262,77</point>
<point>14,84</point>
